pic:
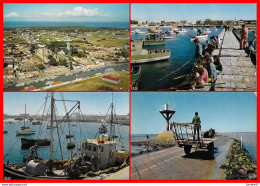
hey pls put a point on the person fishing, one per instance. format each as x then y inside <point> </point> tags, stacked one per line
<point>196,121</point>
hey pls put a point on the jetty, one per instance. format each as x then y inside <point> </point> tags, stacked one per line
<point>171,163</point>
<point>239,73</point>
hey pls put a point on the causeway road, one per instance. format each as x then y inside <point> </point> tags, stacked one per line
<point>173,164</point>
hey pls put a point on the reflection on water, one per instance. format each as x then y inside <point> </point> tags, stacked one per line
<point>182,50</point>
<point>82,131</point>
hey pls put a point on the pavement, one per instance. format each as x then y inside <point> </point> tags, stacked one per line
<point>173,164</point>
<point>120,175</point>
<point>239,73</point>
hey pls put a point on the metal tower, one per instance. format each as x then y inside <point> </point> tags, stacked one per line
<point>167,114</point>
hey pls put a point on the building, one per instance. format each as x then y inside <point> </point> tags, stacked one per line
<point>111,79</point>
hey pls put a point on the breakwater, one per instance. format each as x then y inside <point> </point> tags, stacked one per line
<point>239,164</point>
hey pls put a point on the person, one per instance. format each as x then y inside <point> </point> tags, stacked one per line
<point>147,137</point>
<point>252,41</point>
<point>204,49</point>
<point>196,121</point>
<point>210,47</point>
<point>212,72</point>
<point>198,50</point>
<point>217,64</point>
<point>244,36</point>
<point>201,76</point>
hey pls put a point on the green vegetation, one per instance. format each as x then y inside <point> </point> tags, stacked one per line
<point>41,66</point>
<point>239,163</point>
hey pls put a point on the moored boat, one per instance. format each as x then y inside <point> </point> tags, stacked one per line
<point>29,142</point>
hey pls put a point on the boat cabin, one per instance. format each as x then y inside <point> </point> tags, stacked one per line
<point>137,48</point>
<point>103,150</point>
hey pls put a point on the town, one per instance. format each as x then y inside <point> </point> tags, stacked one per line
<point>207,22</point>
<point>34,54</point>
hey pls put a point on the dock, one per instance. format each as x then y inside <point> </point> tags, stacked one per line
<point>239,73</point>
<point>172,164</point>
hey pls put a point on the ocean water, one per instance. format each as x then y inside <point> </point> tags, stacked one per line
<point>182,50</point>
<point>249,141</point>
<point>9,24</point>
<point>88,130</point>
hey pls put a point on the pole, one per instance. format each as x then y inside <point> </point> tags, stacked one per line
<point>52,115</point>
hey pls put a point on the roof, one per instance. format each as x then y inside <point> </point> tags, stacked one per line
<point>55,83</point>
<point>29,89</point>
<point>111,78</point>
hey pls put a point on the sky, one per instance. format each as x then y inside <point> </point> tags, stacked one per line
<point>66,12</point>
<point>91,103</point>
<point>192,12</point>
<point>224,112</point>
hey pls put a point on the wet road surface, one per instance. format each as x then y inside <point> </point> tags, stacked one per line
<point>172,163</point>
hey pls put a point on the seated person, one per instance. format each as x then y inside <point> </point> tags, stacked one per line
<point>217,64</point>
<point>201,76</point>
<point>210,47</point>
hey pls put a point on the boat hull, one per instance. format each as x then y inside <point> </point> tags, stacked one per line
<point>29,142</point>
<point>153,42</point>
<point>138,59</point>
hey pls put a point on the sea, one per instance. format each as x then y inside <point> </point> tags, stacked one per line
<point>182,50</point>
<point>248,138</point>
<point>82,131</point>
<point>14,24</point>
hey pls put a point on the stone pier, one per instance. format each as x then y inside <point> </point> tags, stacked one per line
<point>239,73</point>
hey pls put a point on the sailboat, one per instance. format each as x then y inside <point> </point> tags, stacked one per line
<point>25,130</point>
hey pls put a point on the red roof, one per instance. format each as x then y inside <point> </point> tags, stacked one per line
<point>111,78</point>
<point>29,89</point>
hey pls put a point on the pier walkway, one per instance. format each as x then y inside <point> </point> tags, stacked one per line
<point>239,73</point>
<point>171,163</point>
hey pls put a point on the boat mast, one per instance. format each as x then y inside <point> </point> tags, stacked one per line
<point>112,128</point>
<point>52,115</point>
<point>24,116</point>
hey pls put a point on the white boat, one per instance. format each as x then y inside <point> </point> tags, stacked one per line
<point>25,132</point>
<point>138,31</point>
<point>168,37</point>
<point>49,82</point>
<point>207,31</point>
<point>181,31</point>
<point>205,36</point>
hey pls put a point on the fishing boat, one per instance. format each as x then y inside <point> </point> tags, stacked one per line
<point>92,154</point>
<point>154,30</point>
<point>135,77</point>
<point>29,142</point>
<point>153,39</point>
<point>70,136</point>
<point>168,37</point>
<point>203,36</point>
<point>5,131</point>
<point>140,55</point>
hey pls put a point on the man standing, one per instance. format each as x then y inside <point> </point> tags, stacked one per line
<point>244,36</point>
<point>196,121</point>
<point>198,50</point>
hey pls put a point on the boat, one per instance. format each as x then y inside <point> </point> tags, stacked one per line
<point>203,36</point>
<point>154,30</point>
<point>71,145</point>
<point>49,82</point>
<point>194,29</point>
<point>135,77</point>
<point>70,136</point>
<point>168,37</point>
<point>5,131</point>
<point>36,122</point>
<point>29,142</point>
<point>138,31</point>
<point>181,31</point>
<point>153,39</point>
<point>140,55</point>
<point>25,130</point>
<point>93,154</point>
<point>207,31</point>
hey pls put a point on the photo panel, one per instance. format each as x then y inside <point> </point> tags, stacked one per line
<point>194,47</point>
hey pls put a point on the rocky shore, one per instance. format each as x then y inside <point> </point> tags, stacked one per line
<point>238,164</point>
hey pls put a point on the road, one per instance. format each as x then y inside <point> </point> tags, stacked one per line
<point>172,163</point>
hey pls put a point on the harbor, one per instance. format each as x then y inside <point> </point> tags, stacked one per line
<point>59,148</point>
